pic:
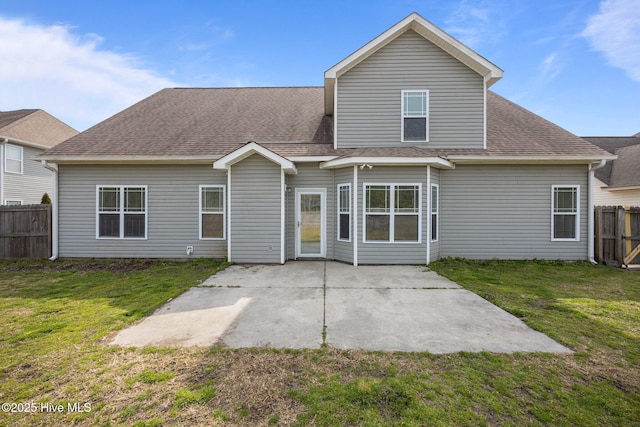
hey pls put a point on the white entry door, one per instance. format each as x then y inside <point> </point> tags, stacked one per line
<point>310,223</point>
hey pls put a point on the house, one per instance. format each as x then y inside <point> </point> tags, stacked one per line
<point>618,183</point>
<point>402,157</point>
<point>25,134</point>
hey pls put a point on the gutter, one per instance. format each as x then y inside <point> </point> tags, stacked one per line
<point>590,222</point>
<point>54,210</point>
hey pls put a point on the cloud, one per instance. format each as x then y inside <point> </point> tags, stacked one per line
<point>67,75</point>
<point>615,31</point>
<point>550,67</point>
<point>474,22</point>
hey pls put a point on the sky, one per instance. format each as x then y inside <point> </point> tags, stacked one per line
<point>574,62</point>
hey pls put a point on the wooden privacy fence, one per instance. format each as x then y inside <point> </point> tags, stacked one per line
<point>25,231</point>
<point>617,235</point>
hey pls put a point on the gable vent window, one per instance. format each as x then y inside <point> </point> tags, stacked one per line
<point>415,116</point>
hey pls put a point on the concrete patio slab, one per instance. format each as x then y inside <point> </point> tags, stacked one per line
<point>390,308</point>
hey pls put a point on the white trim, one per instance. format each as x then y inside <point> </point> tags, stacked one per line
<point>429,232</point>
<point>13,202</point>
<point>335,115</point>
<point>550,159</point>
<point>130,159</point>
<point>437,212</point>
<point>438,162</point>
<point>484,113</point>
<point>338,199</point>
<point>392,214</point>
<point>355,213</point>
<point>310,159</point>
<point>224,213</point>
<point>229,214</point>
<point>6,158</point>
<point>121,188</point>
<point>250,149</point>
<point>576,213</point>
<point>402,114</point>
<point>283,192</point>
<point>323,226</point>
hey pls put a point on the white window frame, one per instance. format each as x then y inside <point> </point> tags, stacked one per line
<point>435,212</point>
<point>7,159</point>
<point>223,213</point>
<point>404,116</point>
<point>13,202</point>
<point>392,214</point>
<point>576,188</point>
<point>121,212</point>
<point>347,211</point>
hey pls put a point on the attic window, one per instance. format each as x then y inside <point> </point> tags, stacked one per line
<point>415,111</point>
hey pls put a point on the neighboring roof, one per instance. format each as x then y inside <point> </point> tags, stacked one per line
<point>430,32</point>
<point>625,170</point>
<point>206,124</point>
<point>35,128</point>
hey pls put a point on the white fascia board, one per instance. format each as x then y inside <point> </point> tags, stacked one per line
<point>310,159</point>
<point>632,187</point>
<point>437,162</point>
<point>15,141</point>
<point>251,149</point>
<point>127,159</point>
<point>430,32</point>
<point>528,160</point>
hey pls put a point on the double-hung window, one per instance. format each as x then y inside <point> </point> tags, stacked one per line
<point>122,212</point>
<point>344,212</point>
<point>434,212</point>
<point>13,158</point>
<point>212,221</point>
<point>565,212</point>
<point>392,212</point>
<point>415,116</point>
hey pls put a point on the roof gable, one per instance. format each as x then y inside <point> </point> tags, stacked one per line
<point>250,149</point>
<point>430,32</point>
<point>35,128</point>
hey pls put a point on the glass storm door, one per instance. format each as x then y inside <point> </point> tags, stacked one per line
<point>310,240</point>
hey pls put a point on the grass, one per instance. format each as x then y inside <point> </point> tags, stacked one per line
<point>56,318</point>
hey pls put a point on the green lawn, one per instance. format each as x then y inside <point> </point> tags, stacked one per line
<point>56,318</point>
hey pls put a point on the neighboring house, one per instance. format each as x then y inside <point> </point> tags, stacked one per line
<point>403,157</point>
<point>25,134</point>
<point>618,183</point>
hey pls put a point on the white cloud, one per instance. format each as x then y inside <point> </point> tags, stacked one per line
<point>550,67</point>
<point>474,22</point>
<point>615,31</point>
<point>49,67</point>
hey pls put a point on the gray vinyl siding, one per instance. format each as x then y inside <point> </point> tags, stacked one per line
<point>369,97</point>
<point>392,253</point>
<point>255,211</point>
<point>34,181</point>
<point>311,176</point>
<point>172,211</point>
<point>435,246</point>
<point>504,212</point>
<point>344,250</point>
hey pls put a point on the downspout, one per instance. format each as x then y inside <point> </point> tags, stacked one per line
<point>590,222</point>
<point>2,143</point>
<point>54,210</point>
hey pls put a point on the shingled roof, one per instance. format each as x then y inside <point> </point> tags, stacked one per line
<point>34,127</point>
<point>209,123</point>
<point>625,170</point>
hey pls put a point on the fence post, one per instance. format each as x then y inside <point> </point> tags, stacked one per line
<point>620,227</point>
<point>598,234</point>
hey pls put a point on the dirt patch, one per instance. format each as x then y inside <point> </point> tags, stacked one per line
<point>93,265</point>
